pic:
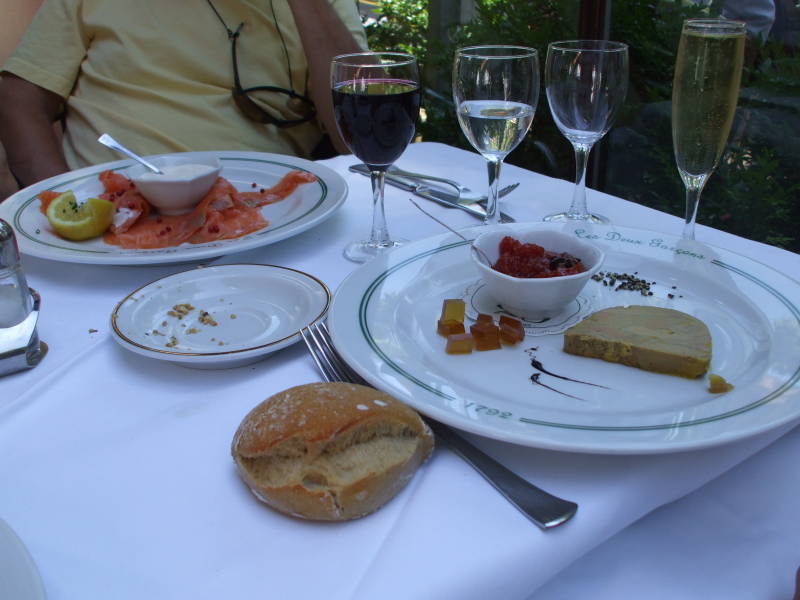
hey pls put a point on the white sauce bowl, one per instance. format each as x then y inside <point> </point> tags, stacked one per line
<point>184,183</point>
<point>535,298</point>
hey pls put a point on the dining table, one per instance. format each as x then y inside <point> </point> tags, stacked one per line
<point>116,469</point>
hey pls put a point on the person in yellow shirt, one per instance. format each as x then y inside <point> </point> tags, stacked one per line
<point>172,76</point>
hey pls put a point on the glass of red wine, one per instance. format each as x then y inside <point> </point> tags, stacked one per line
<point>376,98</point>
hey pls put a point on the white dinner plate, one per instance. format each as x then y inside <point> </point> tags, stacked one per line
<point>383,320</point>
<point>19,577</point>
<point>221,316</point>
<point>307,206</point>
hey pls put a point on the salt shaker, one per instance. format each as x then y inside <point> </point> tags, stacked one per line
<point>19,310</point>
<point>15,297</point>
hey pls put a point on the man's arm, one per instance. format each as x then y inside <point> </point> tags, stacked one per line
<point>27,113</point>
<point>324,36</point>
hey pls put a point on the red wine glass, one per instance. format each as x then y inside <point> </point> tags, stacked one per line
<point>376,99</point>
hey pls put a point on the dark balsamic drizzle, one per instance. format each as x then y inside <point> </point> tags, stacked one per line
<point>535,379</point>
<point>538,365</point>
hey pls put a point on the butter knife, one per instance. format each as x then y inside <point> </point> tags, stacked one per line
<point>435,194</point>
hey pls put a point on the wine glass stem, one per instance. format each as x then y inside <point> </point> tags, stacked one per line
<point>492,203</point>
<point>379,236</point>
<point>692,203</point>
<point>577,209</point>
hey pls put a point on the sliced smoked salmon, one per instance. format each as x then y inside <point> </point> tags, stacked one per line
<point>220,215</point>
<point>279,191</point>
<point>45,198</point>
<point>223,213</point>
<point>130,204</point>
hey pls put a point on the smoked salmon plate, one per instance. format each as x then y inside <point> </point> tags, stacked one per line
<point>258,199</point>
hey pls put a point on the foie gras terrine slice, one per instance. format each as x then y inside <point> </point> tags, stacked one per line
<point>647,337</point>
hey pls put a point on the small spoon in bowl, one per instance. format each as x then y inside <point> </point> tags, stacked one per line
<point>473,247</point>
<point>110,142</point>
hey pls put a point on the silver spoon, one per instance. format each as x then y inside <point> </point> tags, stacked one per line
<point>110,142</point>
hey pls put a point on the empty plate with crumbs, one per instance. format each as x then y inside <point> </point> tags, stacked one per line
<point>221,316</point>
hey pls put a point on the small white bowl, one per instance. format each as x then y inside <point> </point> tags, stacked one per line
<point>181,186</point>
<point>535,298</point>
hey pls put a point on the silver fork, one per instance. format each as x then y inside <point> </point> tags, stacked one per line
<point>541,507</point>
<point>465,194</point>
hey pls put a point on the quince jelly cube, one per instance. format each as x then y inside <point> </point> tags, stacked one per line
<point>486,335</point>
<point>484,318</point>
<point>459,343</point>
<point>447,327</point>
<point>511,330</point>
<point>453,310</point>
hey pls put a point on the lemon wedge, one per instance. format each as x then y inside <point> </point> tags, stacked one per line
<point>78,222</point>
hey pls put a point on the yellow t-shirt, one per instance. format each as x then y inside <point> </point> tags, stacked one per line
<point>157,74</point>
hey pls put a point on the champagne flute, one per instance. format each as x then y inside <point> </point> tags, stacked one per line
<point>376,97</point>
<point>708,71</point>
<point>495,89</point>
<point>586,82</point>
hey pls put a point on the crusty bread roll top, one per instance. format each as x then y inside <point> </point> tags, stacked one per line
<point>330,451</point>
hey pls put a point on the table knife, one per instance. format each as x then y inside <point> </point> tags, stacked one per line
<point>432,193</point>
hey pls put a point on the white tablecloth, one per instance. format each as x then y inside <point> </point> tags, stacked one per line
<point>116,472</point>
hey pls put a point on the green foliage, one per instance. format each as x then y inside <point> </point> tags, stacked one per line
<point>651,30</point>
<point>532,24</point>
<point>754,197</point>
<point>775,70</point>
<point>403,27</point>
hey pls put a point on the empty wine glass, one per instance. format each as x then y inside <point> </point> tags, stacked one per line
<point>586,82</point>
<point>495,89</point>
<point>376,98</point>
<point>708,71</point>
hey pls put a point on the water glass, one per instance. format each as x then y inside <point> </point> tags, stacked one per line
<point>586,82</point>
<point>495,90</point>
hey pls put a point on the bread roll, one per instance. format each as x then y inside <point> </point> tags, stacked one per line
<point>330,451</point>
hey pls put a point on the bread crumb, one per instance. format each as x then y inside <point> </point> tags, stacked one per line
<point>180,310</point>
<point>233,316</point>
<point>157,332</point>
<point>173,341</point>
<point>207,319</point>
<point>192,330</point>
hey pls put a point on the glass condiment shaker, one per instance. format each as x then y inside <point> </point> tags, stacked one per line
<point>19,310</point>
<point>16,301</point>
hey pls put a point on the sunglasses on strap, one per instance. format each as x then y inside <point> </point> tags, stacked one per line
<point>297,103</point>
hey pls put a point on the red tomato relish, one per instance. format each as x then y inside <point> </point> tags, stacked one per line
<point>531,260</point>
